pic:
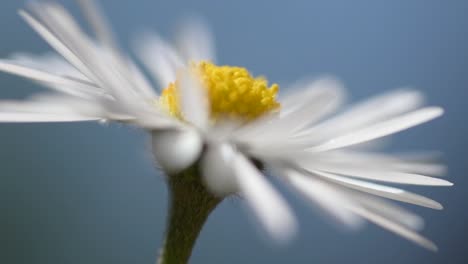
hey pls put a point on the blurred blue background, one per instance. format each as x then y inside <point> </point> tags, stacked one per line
<point>88,193</point>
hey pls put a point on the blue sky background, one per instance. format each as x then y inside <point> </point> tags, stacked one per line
<point>87,193</point>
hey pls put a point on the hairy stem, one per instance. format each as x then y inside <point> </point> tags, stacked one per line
<point>190,205</point>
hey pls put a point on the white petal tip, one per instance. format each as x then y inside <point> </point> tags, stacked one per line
<point>437,111</point>
<point>441,182</point>
<point>431,246</point>
<point>285,233</point>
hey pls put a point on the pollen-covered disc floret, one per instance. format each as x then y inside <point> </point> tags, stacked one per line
<point>232,92</point>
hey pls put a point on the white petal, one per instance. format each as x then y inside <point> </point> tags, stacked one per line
<point>98,22</point>
<point>374,160</point>
<point>382,129</point>
<point>324,195</point>
<point>318,99</point>
<point>384,214</point>
<point>118,80</point>
<point>196,41</point>
<point>325,88</point>
<point>396,228</point>
<point>176,150</point>
<point>388,210</point>
<point>62,84</point>
<point>377,109</point>
<point>193,100</point>
<point>378,174</point>
<point>21,117</point>
<point>266,203</point>
<point>55,43</point>
<point>422,168</point>
<point>381,190</point>
<point>50,62</point>
<point>217,172</point>
<point>159,57</point>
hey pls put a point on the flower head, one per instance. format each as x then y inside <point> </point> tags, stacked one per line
<point>232,124</point>
<point>231,93</point>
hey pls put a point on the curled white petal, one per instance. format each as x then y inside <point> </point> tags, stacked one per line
<point>216,168</point>
<point>176,150</point>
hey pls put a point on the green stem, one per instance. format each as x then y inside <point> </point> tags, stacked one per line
<point>190,205</point>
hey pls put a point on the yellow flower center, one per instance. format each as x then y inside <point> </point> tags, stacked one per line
<point>232,92</point>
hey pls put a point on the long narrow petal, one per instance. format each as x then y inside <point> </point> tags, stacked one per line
<point>196,42</point>
<point>159,57</point>
<point>117,80</point>
<point>374,160</point>
<point>388,210</point>
<point>193,100</point>
<point>56,43</point>
<point>24,117</point>
<point>381,129</point>
<point>378,174</point>
<point>374,110</point>
<point>381,190</point>
<point>63,84</point>
<point>386,215</point>
<point>396,228</point>
<point>266,203</point>
<point>98,22</point>
<point>323,195</point>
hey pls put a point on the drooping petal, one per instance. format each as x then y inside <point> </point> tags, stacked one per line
<point>323,195</point>
<point>266,203</point>
<point>348,204</point>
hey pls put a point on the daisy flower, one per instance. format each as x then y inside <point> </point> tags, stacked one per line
<point>216,129</point>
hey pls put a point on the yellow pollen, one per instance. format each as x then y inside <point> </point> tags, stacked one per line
<point>232,92</point>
